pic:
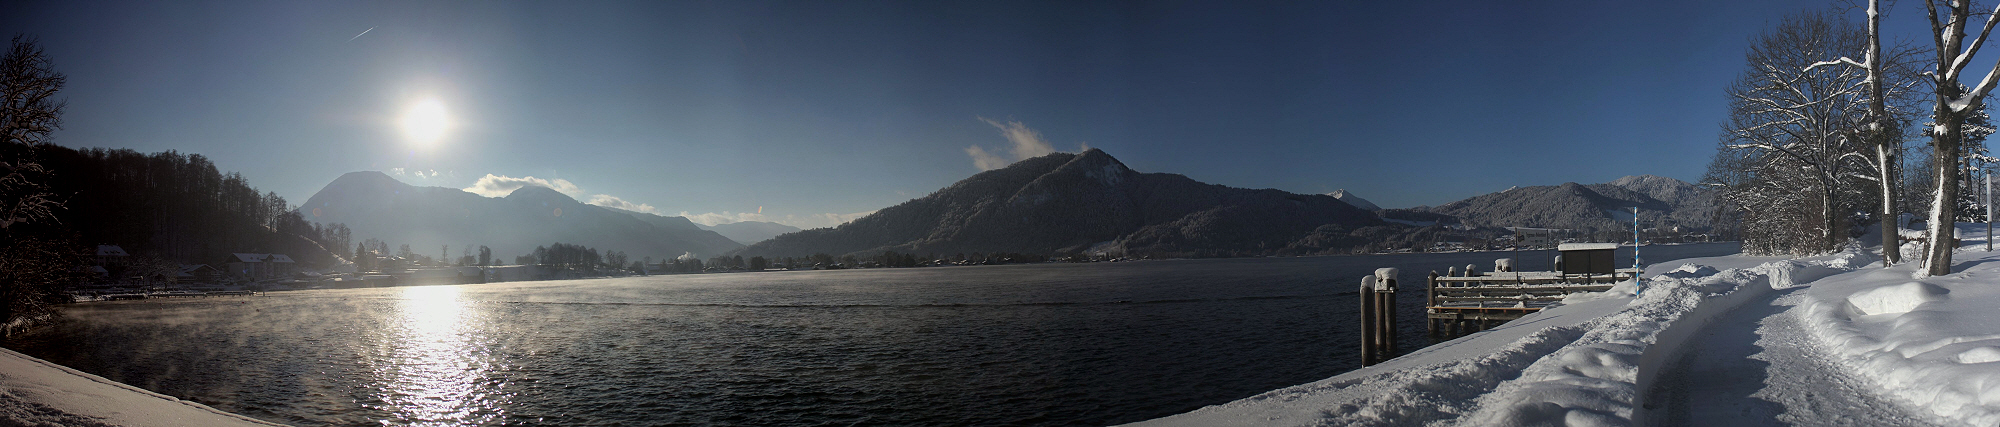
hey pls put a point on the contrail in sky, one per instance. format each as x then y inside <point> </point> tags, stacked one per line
<point>356,36</point>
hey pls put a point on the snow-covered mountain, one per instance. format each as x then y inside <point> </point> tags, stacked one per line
<point>1662,202</point>
<point>1352,199</point>
<point>375,205</point>
<point>749,232</point>
<point>1091,202</point>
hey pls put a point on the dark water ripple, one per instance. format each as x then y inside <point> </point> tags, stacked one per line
<point>1003,345</point>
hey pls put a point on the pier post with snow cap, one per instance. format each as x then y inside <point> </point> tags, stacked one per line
<point>1368,318</point>
<point>1430,299</point>
<point>1378,316</point>
<point>1388,296</point>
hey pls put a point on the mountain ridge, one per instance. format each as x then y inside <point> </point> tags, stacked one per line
<point>1088,201</point>
<point>749,232</point>
<point>374,205</point>
<point>1662,202</point>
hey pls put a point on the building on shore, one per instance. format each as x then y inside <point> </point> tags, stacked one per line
<point>254,267</point>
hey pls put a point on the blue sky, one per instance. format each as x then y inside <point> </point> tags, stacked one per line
<point>815,111</point>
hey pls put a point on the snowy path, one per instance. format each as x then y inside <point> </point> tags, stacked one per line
<point>1756,366</point>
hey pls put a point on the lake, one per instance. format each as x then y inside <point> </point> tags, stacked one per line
<point>1040,344</point>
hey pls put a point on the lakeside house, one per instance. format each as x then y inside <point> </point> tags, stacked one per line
<point>111,256</point>
<point>253,267</point>
<point>1537,237</point>
<point>199,273</point>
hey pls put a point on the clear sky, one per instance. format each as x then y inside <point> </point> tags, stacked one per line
<point>817,110</point>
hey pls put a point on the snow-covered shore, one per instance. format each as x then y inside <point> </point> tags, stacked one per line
<point>1933,343</point>
<point>34,392</point>
<point>1591,360</point>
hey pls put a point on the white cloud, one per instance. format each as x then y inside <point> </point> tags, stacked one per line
<point>423,176</point>
<point>500,186</point>
<point>610,201</point>
<point>985,161</point>
<point>1024,143</point>
<point>801,221</point>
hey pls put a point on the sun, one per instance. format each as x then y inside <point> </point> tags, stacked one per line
<point>425,123</point>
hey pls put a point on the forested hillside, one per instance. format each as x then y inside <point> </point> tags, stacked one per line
<point>1090,203</point>
<point>177,207</point>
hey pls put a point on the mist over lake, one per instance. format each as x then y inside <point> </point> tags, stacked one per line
<point>1038,344</point>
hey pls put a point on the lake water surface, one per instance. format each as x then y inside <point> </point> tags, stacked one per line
<point>1043,344</point>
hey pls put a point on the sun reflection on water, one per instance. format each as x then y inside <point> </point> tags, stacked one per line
<point>436,370</point>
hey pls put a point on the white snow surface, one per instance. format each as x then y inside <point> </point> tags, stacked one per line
<point>34,392</point>
<point>1931,343</point>
<point>1584,362</point>
<point>1354,200</point>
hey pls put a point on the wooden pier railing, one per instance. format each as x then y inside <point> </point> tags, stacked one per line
<point>1460,305</point>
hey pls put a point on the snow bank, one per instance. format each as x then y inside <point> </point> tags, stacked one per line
<point>34,392</point>
<point>1579,363</point>
<point>1437,383</point>
<point>1896,298</point>
<point>1931,342</point>
<point>1596,380</point>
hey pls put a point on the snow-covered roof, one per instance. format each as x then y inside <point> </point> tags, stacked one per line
<point>110,250</point>
<point>1532,229</point>
<point>1586,246</point>
<point>243,257</point>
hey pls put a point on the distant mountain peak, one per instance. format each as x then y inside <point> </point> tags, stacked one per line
<point>371,175</point>
<point>749,232</point>
<point>1071,202</point>
<point>375,205</point>
<point>1352,199</point>
<point>1662,202</point>
<point>540,194</point>
<point>365,179</point>
<point>1638,179</point>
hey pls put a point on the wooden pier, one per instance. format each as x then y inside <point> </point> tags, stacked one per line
<point>1460,305</point>
<point>1378,316</point>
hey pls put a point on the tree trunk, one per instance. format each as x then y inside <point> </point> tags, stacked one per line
<point>1943,227</point>
<point>1878,110</point>
<point>1891,234</point>
<point>1829,233</point>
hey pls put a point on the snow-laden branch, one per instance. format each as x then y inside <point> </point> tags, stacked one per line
<point>1842,60</point>
<point>1966,58</point>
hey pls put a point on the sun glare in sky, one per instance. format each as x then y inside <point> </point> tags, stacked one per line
<point>425,123</point>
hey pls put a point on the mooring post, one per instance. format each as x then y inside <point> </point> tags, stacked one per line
<point>1430,300</point>
<point>1367,320</point>
<point>1385,292</point>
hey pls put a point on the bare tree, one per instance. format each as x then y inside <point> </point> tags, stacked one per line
<point>1890,99</point>
<point>28,114</point>
<point>1952,105</point>
<point>1794,138</point>
<point>32,270</point>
